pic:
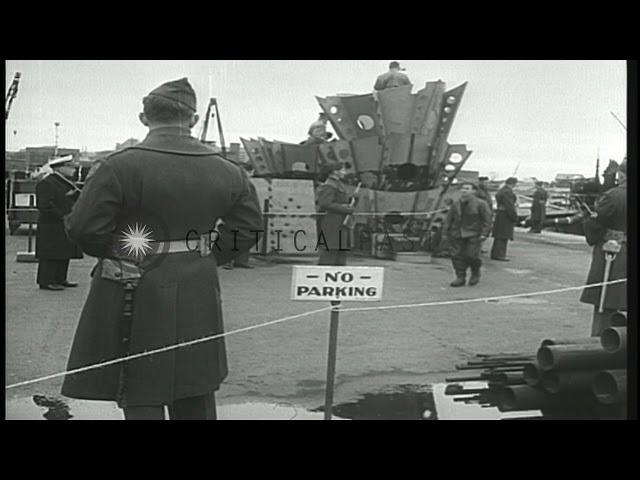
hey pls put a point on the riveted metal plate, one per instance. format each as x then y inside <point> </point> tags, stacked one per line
<point>340,120</point>
<point>427,111</point>
<point>342,151</point>
<point>300,154</point>
<point>397,147</point>
<point>257,157</point>
<point>363,112</point>
<point>367,153</point>
<point>396,109</point>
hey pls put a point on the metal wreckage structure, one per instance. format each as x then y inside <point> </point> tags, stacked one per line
<point>394,143</point>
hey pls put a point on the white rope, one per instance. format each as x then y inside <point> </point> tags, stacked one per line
<point>280,320</point>
<point>164,349</point>
<point>474,300</point>
<point>372,214</point>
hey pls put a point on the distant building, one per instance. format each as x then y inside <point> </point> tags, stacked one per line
<point>127,143</point>
<point>566,179</point>
<point>32,158</point>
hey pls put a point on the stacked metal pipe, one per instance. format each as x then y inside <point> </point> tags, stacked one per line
<point>566,378</point>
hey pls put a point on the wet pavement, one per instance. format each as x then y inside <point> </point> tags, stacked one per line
<point>396,402</point>
<point>284,365</point>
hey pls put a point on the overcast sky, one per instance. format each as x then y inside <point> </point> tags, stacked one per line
<point>549,116</point>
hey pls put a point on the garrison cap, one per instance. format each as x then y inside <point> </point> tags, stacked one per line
<point>511,181</point>
<point>180,91</point>
<point>480,179</point>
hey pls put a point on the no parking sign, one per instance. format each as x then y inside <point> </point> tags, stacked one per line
<point>337,283</point>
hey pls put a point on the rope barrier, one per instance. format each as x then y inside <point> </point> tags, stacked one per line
<point>164,349</point>
<point>300,315</point>
<point>373,214</point>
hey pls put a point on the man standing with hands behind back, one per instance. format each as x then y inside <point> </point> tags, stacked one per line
<point>166,193</point>
<point>506,218</point>
<point>55,195</point>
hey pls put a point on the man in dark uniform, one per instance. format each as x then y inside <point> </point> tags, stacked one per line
<point>174,190</point>
<point>467,225</point>
<point>334,238</point>
<point>538,208</point>
<point>506,218</point>
<point>611,215</point>
<point>484,194</point>
<point>393,78</point>
<point>55,195</point>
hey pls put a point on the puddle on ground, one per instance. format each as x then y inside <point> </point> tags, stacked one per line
<point>50,408</point>
<point>397,402</point>
<point>401,402</point>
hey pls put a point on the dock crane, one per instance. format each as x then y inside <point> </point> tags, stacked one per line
<point>213,103</point>
<point>11,94</point>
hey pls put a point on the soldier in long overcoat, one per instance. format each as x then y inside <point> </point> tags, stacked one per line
<point>334,238</point>
<point>538,208</point>
<point>505,219</point>
<point>174,190</point>
<point>611,211</point>
<point>55,196</point>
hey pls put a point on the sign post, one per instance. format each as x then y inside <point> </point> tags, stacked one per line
<point>335,284</point>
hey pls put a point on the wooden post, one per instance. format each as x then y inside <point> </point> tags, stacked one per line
<point>331,361</point>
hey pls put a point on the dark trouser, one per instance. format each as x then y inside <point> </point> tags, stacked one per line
<point>499,248</point>
<point>465,253</point>
<point>601,320</point>
<point>193,408</point>
<point>52,272</point>
<point>332,257</point>
<point>536,226</point>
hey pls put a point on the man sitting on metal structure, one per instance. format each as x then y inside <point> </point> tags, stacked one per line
<point>334,238</point>
<point>538,208</point>
<point>611,215</point>
<point>55,195</point>
<point>467,225</point>
<point>318,131</point>
<point>506,218</point>
<point>393,78</point>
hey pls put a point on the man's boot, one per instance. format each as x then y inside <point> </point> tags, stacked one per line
<point>475,276</point>
<point>460,267</point>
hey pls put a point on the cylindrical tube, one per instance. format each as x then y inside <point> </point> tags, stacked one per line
<point>568,381</point>
<point>614,340</point>
<point>619,319</point>
<point>531,374</point>
<point>522,397</point>
<point>504,378</point>
<point>578,357</point>
<point>610,386</point>
<point>568,341</point>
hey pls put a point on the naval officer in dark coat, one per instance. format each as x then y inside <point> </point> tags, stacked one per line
<point>55,195</point>
<point>611,216</point>
<point>159,200</point>
<point>505,220</point>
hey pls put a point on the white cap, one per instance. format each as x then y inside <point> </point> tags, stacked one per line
<point>60,160</point>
